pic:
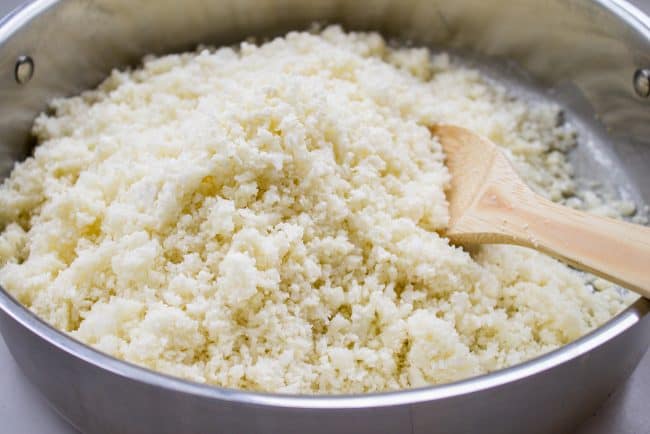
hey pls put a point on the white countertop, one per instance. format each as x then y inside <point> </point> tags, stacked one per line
<point>24,410</point>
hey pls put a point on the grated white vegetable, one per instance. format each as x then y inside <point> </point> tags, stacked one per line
<point>265,218</point>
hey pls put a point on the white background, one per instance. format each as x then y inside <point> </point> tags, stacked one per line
<point>24,411</point>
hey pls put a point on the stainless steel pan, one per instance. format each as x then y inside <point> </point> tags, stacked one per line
<point>585,54</point>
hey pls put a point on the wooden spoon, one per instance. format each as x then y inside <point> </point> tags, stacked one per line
<point>489,203</point>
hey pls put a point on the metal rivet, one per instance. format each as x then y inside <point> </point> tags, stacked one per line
<point>24,69</point>
<point>642,82</point>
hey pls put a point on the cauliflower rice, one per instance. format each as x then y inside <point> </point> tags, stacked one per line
<point>268,218</point>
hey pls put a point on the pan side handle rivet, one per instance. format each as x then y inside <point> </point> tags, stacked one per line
<point>642,82</point>
<point>24,70</point>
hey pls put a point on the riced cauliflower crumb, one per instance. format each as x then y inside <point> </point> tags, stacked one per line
<point>267,218</point>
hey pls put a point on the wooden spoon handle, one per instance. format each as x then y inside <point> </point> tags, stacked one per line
<point>612,249</point>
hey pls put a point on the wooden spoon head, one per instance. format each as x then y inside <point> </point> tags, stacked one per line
<point>480,173</point>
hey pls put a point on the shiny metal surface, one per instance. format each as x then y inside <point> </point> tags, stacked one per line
<point>642,82</point>
<point>581,52</point>
<point>24,69</point>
